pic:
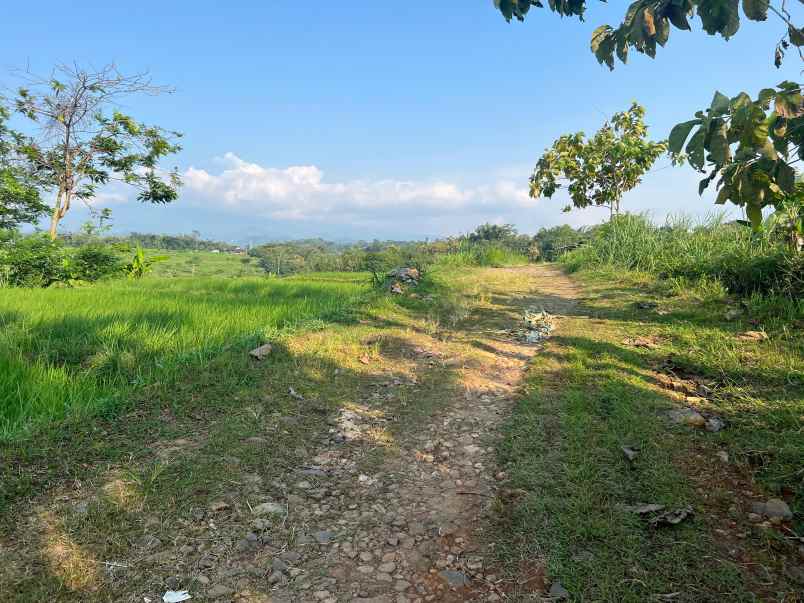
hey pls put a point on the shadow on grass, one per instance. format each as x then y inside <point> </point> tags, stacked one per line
<point>218,423</point>
<point>586,400</point>
<point>84,360</point>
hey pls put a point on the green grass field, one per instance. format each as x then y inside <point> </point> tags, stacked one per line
<point>204,263</point>
<point>66,353</point>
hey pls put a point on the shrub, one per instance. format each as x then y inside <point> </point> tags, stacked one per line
<point>32,261</point>
<point>94,262</point>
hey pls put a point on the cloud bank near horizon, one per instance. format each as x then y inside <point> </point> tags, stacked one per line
<point>302,193</point>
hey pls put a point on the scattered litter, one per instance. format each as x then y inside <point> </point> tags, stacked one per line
<point>261,352</point>
<point>396,288</point>
<point>630,452</point>
<point>364,359</point>
<point>292,393</point>
<point>753,336</point>
<point>538,326</point>
<point>714,424</point>
<point>176,596</point>
<point>671,518</point>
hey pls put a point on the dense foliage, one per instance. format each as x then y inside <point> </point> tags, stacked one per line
<point>487,245</point>
<point>94,262</point>
<point>749,146</point>
<point>31,261</point>
<point>553,242</point>
<point>599,170</point>
<point>183,242</point>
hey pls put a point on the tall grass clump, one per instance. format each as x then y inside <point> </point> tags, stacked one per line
<point>744,262</point>
<point>481,254</point>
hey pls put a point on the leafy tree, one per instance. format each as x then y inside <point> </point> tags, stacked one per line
<point>647,23</point>
<point>601,169</point>
<point>748,145</point>
<point>20,202</point>
<point>493,232</point>
<point>80,148</point>
<point>552,242</point>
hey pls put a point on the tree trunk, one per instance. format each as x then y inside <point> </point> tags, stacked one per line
<point>55,217</point>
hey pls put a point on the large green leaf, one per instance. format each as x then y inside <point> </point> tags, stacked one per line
<point>720,104</point>
<point>756,10</point>
<point>662,30</point>
<point>695,149</point>
<point>678,16</point>
<point>506,7</point>
<point>796,35</point>
<point>718,143</point>
<point>679,134</point>
<point>720,17</point>
<point>603,45</point>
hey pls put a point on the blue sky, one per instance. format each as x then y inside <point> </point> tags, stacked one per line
<point>357,120</point>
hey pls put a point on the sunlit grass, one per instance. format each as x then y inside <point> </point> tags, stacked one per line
<point>67,353</point>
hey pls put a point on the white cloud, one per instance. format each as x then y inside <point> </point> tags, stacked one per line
<point>302,193</point>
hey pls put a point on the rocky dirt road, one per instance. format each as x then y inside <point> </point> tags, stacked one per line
<point>415,527</point>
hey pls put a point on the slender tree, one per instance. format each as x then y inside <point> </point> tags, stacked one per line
<point>83,141</point>
<point>598,170</point>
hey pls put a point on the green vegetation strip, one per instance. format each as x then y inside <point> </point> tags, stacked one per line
<point>589,394</point>
<point>70,353</point>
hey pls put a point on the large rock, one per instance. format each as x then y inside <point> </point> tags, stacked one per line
<point>773,509</point>
<point>687,416</point>
<point>409,276</point>
<point>454,578</point>
<point>261,352</point>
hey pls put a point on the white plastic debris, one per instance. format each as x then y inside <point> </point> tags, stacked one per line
<point>538,326</point>
<point>175,596</point>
